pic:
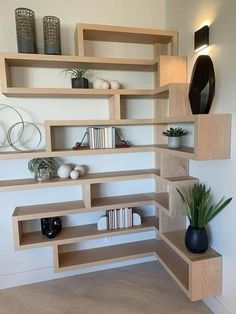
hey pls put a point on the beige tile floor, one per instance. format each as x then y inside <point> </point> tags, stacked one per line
<point>138,289</point>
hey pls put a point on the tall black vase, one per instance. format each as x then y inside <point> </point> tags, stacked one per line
<point>196,240</point>
<point>202,85</point>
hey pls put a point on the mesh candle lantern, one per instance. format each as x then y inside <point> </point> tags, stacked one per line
<point>52,35</point>
<point>25,30</point>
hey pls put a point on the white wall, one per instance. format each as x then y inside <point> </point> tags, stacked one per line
<point>187,16</point>
<point>25,266</point>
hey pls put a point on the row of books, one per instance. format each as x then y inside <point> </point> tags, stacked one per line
<point>120,218</point>
<point>103,137</point>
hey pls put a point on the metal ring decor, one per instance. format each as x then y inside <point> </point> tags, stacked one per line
<point>23,127</point>
<point>21,121</point>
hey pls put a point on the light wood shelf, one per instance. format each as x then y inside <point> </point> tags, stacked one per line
<point>90,178</point>
<point>115,253</point>
<point>198,275</point>
<point>82,233</point>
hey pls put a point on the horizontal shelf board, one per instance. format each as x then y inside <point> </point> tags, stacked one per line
<point>185,152</point>
<point>83,233</point>
<point>73,207</point>
<point>161,92</point>
<point>48,210</point>
<point>174,264</point>
<point>132,200</point>
<point>66,61</point>
<point>86,123</point>
<point>113,253</point>
<point>176,240</point>
<point>125,34</point>
<point>71,152</point>
<point>23,184</point>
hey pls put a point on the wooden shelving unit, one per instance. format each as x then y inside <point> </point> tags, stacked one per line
<point>199,276</point>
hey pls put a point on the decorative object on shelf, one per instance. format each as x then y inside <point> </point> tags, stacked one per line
<point>82,170</point>
<point>202,85</point>
<point>50,227</point>
<point>64,171</point>
<point>42,168</point>
<point>20,133</point>
<point>200,210</point>
<point>100,83</point>
<point>136,219</point>
<point>77,77</point>
<point>74,174</point>
<point>102,223</point>
<point>52,35</point>
<point>114,84</point>
<point>25,30</point>
<point>201,38</point>
<point>174,136</point>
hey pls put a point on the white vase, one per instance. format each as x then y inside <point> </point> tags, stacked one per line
<point>174,141</point>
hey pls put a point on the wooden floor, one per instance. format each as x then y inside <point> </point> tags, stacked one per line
<point>139,289</point>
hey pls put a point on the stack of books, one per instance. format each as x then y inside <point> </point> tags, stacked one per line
<point>120,218</point>
<point>103,137</point>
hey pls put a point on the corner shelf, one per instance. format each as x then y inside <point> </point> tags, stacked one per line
<point>198,276</point>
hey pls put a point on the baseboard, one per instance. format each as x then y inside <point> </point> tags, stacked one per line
<point>216,306</point>
<point>45,274</point>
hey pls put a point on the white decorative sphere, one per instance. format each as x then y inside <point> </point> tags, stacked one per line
<point>81,169</point>
<point>104,85</point>
<point>64,171</point>
<point>114,84</point>
<point>97,83</point>
<point>74,174</point>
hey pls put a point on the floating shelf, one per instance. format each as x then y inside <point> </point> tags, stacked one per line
<point>115,253</point>
<point>82,233</point>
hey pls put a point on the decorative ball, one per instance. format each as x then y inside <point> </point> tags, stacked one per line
<point>97,83</point>
<point>81,169</point>
<point>104,85</point>
<point>64,171</point>
<point>74,174</point>
<point>114,84</point>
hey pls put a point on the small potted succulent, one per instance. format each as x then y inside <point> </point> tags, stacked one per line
<point>42,168</point>
<point>200,210</point>
<point>174,137</point>
<point>77,77</point>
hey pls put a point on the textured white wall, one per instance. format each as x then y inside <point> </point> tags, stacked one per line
<point>187,16</point>
<point>20,267</point>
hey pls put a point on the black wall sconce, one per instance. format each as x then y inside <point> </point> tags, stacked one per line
<point>201,38</point>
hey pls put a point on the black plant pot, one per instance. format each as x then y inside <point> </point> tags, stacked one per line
<point>79,82</point>
<point>202,85</point>
<point>196,240</point>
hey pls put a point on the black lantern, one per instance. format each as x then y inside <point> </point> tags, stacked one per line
<point>52,35</point>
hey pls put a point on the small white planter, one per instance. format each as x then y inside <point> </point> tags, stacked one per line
<point>174,142</point>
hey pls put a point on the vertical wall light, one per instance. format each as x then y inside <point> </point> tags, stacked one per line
<point>201,38</point>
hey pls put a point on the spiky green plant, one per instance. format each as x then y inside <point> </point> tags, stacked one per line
<point>175,132</point>
<point>77,72</point>
<point>198,205</point>
<point>37,164</point>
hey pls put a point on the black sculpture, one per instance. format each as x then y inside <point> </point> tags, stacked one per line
<point>51,226</point>
<point>202,85</point>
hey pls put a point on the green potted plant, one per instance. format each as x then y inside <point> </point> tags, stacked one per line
<point>174,136</point>
<point>77,77</point>
<point>200,210</point>
<point>42,168</point>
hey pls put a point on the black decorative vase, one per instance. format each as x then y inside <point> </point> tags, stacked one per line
<point>196,240</point>
<point>52,35</point>
<point>202,85</point>
<point>50,227</point>
<point>79,82</point>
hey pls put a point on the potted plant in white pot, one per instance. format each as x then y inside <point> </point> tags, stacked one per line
<point>78,80</point>
<point>200,210</point>
<point>42,168</point>
<point>174,136</point>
